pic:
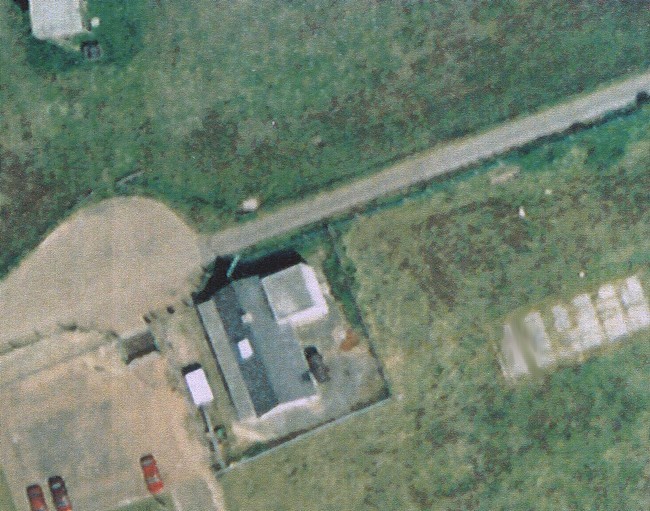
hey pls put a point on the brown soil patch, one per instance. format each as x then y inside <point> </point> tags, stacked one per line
<point>102,269</point>
<point>351,340</point>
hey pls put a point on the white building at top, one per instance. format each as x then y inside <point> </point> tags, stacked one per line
<point>56,19</point>
<point>295,296</point>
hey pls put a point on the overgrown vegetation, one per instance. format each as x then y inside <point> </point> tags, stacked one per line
<point>6,502</point>
<point>206,104</point>
<point>120,32</point>
<point>435,279</point>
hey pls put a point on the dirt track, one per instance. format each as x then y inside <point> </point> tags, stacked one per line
<point>442,160</point>
<point>102,269</point>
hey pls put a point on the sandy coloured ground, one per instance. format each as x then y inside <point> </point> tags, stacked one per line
<point>90,419</point>
<point>102,269</point>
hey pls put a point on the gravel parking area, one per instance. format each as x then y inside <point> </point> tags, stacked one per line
<point>90,419</point>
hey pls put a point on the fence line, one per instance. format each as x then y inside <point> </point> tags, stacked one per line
<point>317,430</point>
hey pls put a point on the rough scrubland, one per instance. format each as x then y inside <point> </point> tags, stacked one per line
<point>203,104</point>
<point>435,276</point>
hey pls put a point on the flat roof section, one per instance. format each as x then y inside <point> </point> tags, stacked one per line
<point>226,359</point>
<point>199,387</point>
<point>55,19</point>
<point>294,295</point>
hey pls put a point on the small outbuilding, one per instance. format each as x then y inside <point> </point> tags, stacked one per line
<point>56,19</point>
<point>137,345</point>
<point>295,296</point>
<point>91,50</point>
<point>198,385</point>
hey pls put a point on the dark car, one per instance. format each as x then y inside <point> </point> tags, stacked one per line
<point>151,475</point>
<point>59,494</point>
<point>36,498</point>
<point>316,364</point>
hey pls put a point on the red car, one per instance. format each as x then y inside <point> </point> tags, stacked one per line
<point>59,494</point>
<point>36,498</point>
<point>151,475</point>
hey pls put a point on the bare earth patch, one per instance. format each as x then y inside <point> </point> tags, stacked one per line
<point>102,269</point>
<point>90,419</point>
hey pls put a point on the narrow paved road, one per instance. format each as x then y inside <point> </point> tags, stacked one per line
<point>423,167</point>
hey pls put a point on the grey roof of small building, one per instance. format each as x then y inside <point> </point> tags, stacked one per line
<point>54,19</point>
<point>275,373</point>
<point>138,345</point>
<point>253,369</point>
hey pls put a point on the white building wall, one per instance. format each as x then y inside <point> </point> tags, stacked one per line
<point>284,407</point>
<point>319,308</point>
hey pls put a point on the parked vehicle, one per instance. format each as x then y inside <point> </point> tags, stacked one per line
<point>59,494</point>
<point>316,364</point>
<point>36,498</point>
<point>151,475</point>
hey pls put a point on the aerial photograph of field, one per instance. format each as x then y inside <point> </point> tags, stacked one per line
<point>324,255</point>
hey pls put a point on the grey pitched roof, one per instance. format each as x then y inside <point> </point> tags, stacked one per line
<point>275,372</point>
<point>252,369</point>
<point>227,359</point>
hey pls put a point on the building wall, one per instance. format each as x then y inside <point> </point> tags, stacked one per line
<point>284,407</point>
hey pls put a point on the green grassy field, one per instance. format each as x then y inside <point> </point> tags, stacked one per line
<point>6,502</point>
<point>435,277</point>
<point>206,104</point>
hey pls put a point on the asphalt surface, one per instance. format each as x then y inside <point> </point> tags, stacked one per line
<point>440,160</point>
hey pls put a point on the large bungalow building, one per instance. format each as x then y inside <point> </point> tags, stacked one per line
<point>250,326</point>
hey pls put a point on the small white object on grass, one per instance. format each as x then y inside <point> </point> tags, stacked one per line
<point>581,274</point>
<point>548,191</point>
<point>522,212</point>
<point>94,22</point>
<point>251,204</point>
